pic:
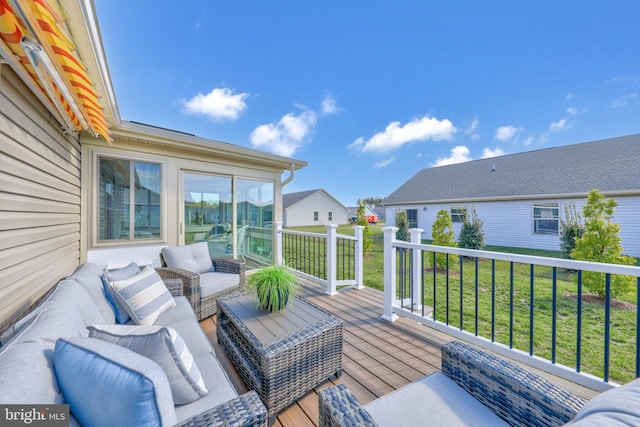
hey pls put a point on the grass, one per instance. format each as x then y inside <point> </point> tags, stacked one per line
<point>517,330</point>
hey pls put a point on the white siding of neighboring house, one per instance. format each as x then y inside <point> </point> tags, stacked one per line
<point>510,223</point>
<point>301,213</point>
<point>39,199</point>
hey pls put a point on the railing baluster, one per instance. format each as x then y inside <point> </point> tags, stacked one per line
<point>447,282</point>
<point>607,325</point>
<point>637,327</point>
<point>493,300</point>
<point>435,286</point>
<point>531,307</point>
<point>579,329</point>
<point>461,311</point>
<point>422,287</point>
<point>477,295</point>
<point>511,304</point>
<point>554,314</point>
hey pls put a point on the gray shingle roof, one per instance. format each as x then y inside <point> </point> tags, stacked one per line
<point>291,199</point>
<point>610,165</point>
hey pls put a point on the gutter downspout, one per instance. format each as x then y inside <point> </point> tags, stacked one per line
<point>292,173</point>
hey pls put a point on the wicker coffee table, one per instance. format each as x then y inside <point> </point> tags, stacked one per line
<point>280,355</point>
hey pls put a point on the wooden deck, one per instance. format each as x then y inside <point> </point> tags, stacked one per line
<point>379,357</point>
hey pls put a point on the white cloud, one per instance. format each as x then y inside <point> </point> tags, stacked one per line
<point>623,100</point>
<point>572,110</point>
<point>488,152</point>
<point>329,105</point>
<point>396,135</point>
<point>459,154</point>
<point>384,163</point>
<point>472,129</point>
<point>504,133</point>
<point>569,96</point>
<point>287,135</point>
<point>558,126</point>
<point>219,104</point>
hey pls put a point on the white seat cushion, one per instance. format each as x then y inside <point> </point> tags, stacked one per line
<point>194,257</point>
<point>435,400</point>
<point>213,283</point>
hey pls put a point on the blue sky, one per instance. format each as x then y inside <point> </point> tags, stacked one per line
<point>370,92</point>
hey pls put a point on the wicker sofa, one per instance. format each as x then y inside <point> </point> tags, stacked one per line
<point>474,388</point>
<point>51,356</point>
<point>202,284</point>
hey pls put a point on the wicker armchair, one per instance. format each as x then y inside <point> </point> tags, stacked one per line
<point>205,307</point>
<point>517,396</point>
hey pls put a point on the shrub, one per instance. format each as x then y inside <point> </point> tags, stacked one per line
<point>367,240</point>
<point>571,229</point>
<point>472,233</point>
<point>403,227</point>
<point>600,243</point>
<point>442,233</point>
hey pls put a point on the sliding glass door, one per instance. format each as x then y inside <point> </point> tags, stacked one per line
<point>233,222</point>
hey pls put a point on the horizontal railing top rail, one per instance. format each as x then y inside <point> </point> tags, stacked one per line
<point>569,264</point>
<point>322,235</point>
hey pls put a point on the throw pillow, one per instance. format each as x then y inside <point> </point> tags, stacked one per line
<point>108,385</point>
<point>111,276</point>
<point>164,346</point>
<point>144,295</point>
<point>193,257</point>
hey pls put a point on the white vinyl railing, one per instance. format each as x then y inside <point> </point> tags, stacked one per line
<point>331,259</point>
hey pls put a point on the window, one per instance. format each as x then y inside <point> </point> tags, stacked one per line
<point>315,216</point>
<point>458,214</point>
<point>129,205</point>
<point>412,218</point>
<point>545,218</point>
<point>330,216</point>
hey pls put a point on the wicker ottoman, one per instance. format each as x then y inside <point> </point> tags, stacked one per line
<point>280,355</point>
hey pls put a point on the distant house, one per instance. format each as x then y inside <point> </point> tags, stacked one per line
<point>522,197</point>
<point>368,213</point>
<point>313,207</point>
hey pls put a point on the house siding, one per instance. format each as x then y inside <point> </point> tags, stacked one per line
<point>510,223</point>
<point>301,213</point>
<point>40,199</point>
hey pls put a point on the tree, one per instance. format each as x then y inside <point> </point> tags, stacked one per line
<point>472,233</point>
<point>600,243</point>
<point>571,229</point>
<point>403,226</point>
<point>367,241</point>
<point>442,233</point>
<point>373,201</point>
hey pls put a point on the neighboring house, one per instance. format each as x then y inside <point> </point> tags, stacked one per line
<point>313,207</point>
<point>521,197</point>
<point>68,196</point>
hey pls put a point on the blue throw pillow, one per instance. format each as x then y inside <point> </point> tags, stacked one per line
<point>108,385</point>
<point>111,276</point>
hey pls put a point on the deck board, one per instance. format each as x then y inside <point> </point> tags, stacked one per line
<point>378,357</point>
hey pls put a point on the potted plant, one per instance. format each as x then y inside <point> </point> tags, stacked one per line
<point>273,287</point>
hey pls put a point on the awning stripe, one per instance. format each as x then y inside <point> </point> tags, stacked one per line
<point>51,34</point>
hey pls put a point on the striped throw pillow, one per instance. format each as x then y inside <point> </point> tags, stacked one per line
<point>165,346</point>
<point>144,296</point>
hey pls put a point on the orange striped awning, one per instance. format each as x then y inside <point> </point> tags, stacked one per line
<point>35,32</point>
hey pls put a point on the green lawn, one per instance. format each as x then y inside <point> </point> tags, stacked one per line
<point>623,320</point>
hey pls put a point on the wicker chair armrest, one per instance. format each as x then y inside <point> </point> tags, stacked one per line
<point>246,410</point>
<point>339,408</point>
<point>175,286</point>
<point>519,396</point>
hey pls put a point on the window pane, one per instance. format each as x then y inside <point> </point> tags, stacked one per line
<point>545,219</point>
<point>208,212</point>
<point>147,197</point>
<point>114,199</point>
<point>412,218</point>
<point>255,201</point>
<point>458,214</point>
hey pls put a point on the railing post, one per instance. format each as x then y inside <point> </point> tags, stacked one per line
<point>389,273</point>
<point>358,267</point>
<point>279,251</point>
<point>332,243</point>
<point>416,274</point>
